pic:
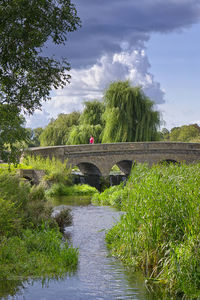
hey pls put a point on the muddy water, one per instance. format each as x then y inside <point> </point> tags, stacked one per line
<point>99,276</point>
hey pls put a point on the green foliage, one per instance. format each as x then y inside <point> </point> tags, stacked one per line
<point>26,76</point>
<point>129,115</point>
<point>164,134</point>
<point>81,134</point>
<point>23,206</point>
<point>63,219</point>
<point>30,242</point>
<point>55,169</point>
<point>111,196</point>
<point>9,222</point>
<point>185,133</point>
<point>57,131</point>
<point>59,189</point>
<point>92,113</point>
<point>12,133</point>
<point>34,137</point>
<point>160,230</point>
<point>126,115</point>
<point>36,254</point>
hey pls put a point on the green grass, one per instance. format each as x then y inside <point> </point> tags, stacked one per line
<point>160,232</point>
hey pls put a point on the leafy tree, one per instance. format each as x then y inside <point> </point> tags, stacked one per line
<point>57,131</point>
<point>164,134</point>
<point>12,133</point>
<point>81,134</point>
<point>185,133</point>
<point>34,136</point>
<point>129,115</point>
<point>90,124</point>
<point>26,75</point>
<point>92,113</point>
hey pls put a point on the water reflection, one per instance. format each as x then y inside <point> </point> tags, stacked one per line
<point>99,276</point>
<point>70,201</point>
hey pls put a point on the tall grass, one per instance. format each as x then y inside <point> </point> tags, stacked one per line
<point>160,231</point>
<point>30,241</point>
<point>36,254</point>
<point>56,171</point>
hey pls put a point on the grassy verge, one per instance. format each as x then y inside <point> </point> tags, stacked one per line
<point>160,232</point>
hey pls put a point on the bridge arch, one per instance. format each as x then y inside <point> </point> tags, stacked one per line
<point>169,161</point>
<point>125,166</point>
<point>89,168</point>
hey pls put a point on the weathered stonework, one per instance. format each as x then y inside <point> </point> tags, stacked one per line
<point>100,158</point>
<point>34,176</point>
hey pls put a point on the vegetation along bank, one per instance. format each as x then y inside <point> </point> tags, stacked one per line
<point>31,240</point>
<point>159,232</point>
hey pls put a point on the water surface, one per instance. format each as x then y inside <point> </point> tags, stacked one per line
<point>99,276</point>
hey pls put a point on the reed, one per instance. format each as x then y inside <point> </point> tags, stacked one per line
<point>160,230</point>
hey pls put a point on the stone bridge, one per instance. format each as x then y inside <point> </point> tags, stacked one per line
<point>98,159</point>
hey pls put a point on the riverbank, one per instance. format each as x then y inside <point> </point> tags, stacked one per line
<point>159,233</point>
<point>31,244</point>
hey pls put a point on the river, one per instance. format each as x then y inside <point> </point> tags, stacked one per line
<point>99,276</point>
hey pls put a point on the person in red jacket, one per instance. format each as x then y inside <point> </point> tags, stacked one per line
<point>91,140</point>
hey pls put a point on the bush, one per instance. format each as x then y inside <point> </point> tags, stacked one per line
<point>63,219</point>
<point>23,205</point>
<point>63,190</point>
<point>111,196</point>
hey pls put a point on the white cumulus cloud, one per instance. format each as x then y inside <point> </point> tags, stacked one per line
<point>90,83</point>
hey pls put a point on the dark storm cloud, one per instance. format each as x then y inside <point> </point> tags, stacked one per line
<point>108,23</point>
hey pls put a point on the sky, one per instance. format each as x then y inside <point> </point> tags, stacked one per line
<point>151,43</point>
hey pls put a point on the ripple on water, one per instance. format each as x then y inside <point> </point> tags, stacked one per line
<point>98,276</point>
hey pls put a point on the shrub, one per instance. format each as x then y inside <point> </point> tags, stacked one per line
<point>111,196</point>
<point>59,189</point>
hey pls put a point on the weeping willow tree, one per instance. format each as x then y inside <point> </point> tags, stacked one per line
<point>90,124</point>
<point>129,115</point>
<point>92,113</point>
<point>81,134</point>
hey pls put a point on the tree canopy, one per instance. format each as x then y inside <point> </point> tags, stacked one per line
<point>185,133</point>
<point>91,123</point>
<point>12,133</point>
<point>92,113</point>
<point>26,76</point>
<point>129,115</point>
<point>57,131</point>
